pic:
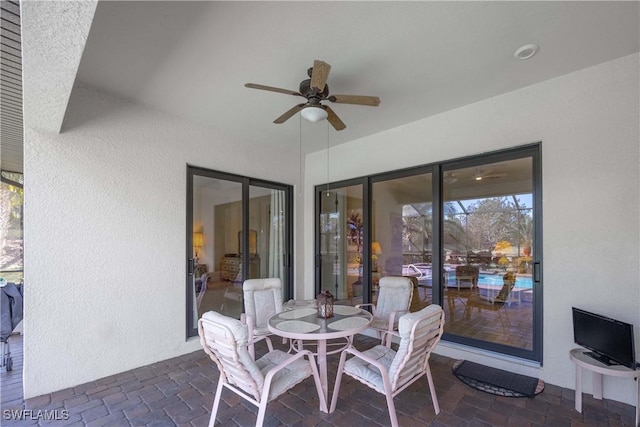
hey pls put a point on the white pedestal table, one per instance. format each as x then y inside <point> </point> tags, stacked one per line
<point>302,324</point>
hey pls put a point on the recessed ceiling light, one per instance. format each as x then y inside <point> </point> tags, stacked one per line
<point>526,51</point>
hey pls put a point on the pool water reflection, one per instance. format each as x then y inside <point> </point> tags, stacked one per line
<point>422,271</point>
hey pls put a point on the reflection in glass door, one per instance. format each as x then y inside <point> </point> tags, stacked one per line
<point>267,237</point>
<point>468,231</point>
<point>341,239</point>
<point>402,234</point>
<point>488,243</point>
<point>217,222</point>
<point>238,228</point>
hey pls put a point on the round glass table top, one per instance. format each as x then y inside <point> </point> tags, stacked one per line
<point>303,322</point>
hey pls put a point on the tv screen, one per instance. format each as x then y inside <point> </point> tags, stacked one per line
<point>610,340</point>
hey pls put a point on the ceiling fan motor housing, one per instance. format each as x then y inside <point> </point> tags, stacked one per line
<point>306,91</point>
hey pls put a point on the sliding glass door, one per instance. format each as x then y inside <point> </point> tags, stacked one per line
<point>489,252</point>
<point>238,228</point>
<point>402,231</point>
<point>340,243</point>
<point>467,231</point>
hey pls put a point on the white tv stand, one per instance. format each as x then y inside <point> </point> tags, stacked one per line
<point>598,369</point>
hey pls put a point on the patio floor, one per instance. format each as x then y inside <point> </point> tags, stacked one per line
<point>179,392</point>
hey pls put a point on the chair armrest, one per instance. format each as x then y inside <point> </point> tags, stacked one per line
<point>258,338</point>
<point>373,307</point>
<point>251,337</point>
<point>395,315</point>
<point>250,322</point>
<point>386,335</point>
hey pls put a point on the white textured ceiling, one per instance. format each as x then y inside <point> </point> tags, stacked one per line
<point>192,59</point>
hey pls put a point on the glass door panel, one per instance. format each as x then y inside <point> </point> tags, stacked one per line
<point>402,237</point>
<point>341,243</point>
<point>487,252</point>
<point>267,252</point>
<point>217,220</point>
<point>237,228</point>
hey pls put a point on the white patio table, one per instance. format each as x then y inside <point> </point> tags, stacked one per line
<point>302,324</point>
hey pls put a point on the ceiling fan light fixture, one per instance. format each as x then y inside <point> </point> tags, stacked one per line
<point>314,114</point>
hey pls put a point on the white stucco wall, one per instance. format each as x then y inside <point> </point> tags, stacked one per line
<point>588,123</point>
<point>105,223</point>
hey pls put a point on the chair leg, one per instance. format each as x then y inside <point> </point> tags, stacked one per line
<point>252,351</point>
<point>262,409</point>
<point>432,390</point>
<point>269,344</point>
<point>504,326</point>
<point>216,404</point>
<point>392,408</point>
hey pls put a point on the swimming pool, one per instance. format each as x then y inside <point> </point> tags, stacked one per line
<point>496,280</point>
<point>422,272</point>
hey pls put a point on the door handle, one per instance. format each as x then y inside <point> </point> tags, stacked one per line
<point>536,272</point>
<point>190,266</point>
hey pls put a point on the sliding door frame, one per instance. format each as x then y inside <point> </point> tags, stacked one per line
<point>246,182</point>
<point>534,151</point>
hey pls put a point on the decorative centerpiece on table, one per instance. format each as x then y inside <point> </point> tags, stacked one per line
<point>324,305</point>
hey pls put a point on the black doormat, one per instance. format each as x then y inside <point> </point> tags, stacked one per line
<point>496,381</point>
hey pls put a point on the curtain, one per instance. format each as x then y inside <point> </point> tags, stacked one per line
<point>276,235</point>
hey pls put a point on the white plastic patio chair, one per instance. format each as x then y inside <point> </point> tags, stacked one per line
<point>394,300</point>
<point>388,371</point>
<point>262,299</point>
<point>203,288</point>
<point>260,381</point>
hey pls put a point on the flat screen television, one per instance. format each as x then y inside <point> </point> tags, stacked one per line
<point>610,340</point>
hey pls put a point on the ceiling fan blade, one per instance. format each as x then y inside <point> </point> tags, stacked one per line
<point>333,118</point>
<point>372,101</point>
<point>286,116</point>
<point>319,75</point>
<point>272,89</point>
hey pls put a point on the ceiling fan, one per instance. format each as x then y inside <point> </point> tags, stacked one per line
<point>315,89</point>
<point>485,174</point>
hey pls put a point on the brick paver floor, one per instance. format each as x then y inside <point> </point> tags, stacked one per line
<point>179,392</point>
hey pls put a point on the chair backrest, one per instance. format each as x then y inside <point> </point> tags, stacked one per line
<point>468,270</point>
<point>419,334</point>
<point>395,295</point>
<point>416,303</point>
<point>224,339</point>
<point>508,282</point>
<point>208,277</point>
<point>509,279</point>
<point>204,281</point>
<point>262,299</point>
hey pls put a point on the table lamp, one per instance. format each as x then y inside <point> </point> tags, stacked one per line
<point>375,251</point>
<point>198,242</point>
